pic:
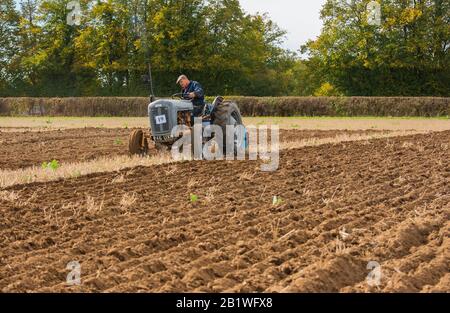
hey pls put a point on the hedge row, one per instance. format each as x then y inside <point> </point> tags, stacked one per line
<point>250,106</point>
<point>111,106</point>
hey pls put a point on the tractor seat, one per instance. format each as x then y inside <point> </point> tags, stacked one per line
<point>209,108</point>
<point>218,100</point>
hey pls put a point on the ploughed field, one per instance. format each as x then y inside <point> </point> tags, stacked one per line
<point>32,148</point>
<point>213,226</point>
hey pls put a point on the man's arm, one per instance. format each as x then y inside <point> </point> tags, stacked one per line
<point>198,90</point>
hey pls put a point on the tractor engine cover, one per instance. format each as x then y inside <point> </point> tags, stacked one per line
<point>163,115</point>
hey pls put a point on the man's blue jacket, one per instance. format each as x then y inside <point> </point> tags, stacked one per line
<point>195,87</point>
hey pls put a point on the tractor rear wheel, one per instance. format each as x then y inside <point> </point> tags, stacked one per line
<point>228,113</point>
<point>137,143</point>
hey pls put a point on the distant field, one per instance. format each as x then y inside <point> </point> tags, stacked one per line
<point>316,123</point>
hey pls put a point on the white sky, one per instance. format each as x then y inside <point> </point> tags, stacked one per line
<point>300,18</point>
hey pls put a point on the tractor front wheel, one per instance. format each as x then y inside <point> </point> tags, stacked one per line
<point>137,143</point>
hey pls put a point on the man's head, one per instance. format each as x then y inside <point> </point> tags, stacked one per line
<point>183,81</point>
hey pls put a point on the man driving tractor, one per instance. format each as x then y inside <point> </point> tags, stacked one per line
<point>165,114</point>
<point>194,91</point>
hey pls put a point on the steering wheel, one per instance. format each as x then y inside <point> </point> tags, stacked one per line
<point>180,96</point>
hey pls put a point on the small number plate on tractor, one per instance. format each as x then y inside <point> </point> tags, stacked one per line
<point>160,119</point>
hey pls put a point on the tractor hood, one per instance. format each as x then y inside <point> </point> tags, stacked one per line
<point>181,105</point>
<point>163,115</point>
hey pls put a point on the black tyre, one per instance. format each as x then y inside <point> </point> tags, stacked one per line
<point>227,113</point>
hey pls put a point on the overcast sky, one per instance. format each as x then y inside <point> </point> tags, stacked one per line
<point>300,18</point>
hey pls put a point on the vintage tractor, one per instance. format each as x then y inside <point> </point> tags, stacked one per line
<point>165,114</point>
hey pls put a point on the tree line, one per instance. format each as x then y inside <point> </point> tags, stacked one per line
<point>105,47</point>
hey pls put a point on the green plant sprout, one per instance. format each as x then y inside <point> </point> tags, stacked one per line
<point>276,201</point>
<point>194,198</point>
<point>53,165</point>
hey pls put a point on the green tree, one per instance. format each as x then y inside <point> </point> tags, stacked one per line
<point>406,55</point>
<point>55,59</point>
<point>178,39</point>
<point>30,32</point>
<point>212,41</point>
<point>244,54</point>
<point>102,44</point>
<point>9,27</point>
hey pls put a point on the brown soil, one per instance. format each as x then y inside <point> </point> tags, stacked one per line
<point>25,149</point>
<point>387,200</point>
